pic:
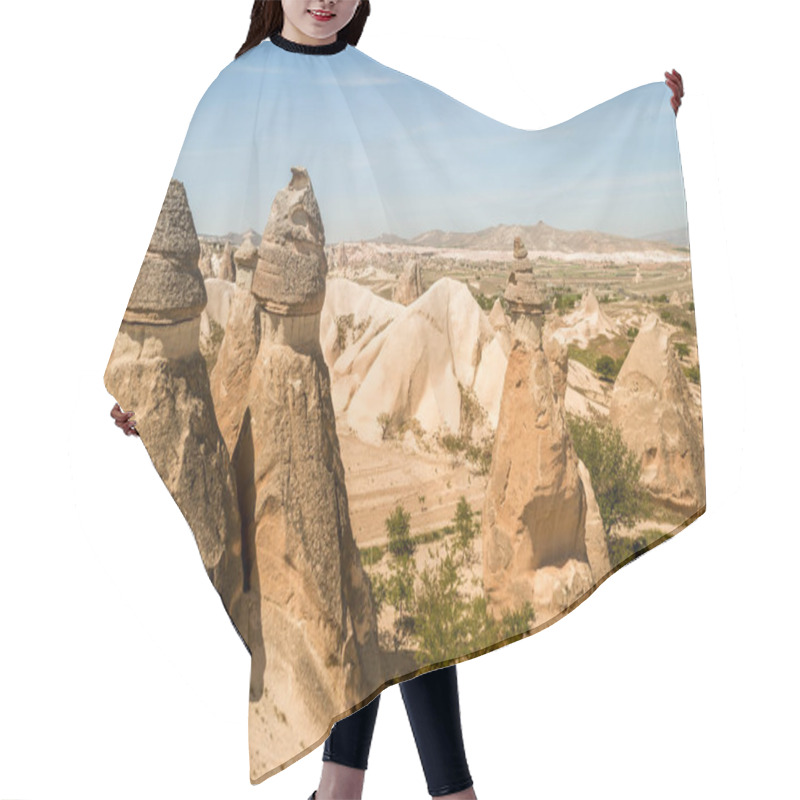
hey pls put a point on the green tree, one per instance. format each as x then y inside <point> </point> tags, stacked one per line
<point>464,523</point>
<point>614,470</point>
<point>385,422</point>
<point>433,617</point>
<point>398,526</point>
<point>606,367</point>
<point>398,590</point>
<point>446,622</point>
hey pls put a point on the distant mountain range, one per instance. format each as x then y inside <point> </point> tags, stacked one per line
<point>501,237</point>
<point>539,237</point>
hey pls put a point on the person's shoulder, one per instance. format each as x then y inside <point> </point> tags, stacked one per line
<point>251,59</point>
<point>238,72</point>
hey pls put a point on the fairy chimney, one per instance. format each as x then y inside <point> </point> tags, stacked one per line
<point>245,258</point>
<point>319,624</point>
<point>227,269</point>
<point>409,286</point>
<point>156,370</point>
<point>541,540</point>
<point>526,304</point>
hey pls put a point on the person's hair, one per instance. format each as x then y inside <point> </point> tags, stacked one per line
<point>266,18</point>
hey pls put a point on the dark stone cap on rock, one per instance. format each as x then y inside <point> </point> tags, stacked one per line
<point>291,271</point>
<point>170,287</point>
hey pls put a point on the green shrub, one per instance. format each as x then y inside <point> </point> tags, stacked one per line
<point>413,425</point>
<point>621,548</point>
<point>385,422</point>
<point>371,555</point>
<point>483,301</point>
<point>614,470</point>
<point>480,455</point>
<point>682,349</point>
<point>466,527</point>
<point>607,367</point>
<point>452,444</point>
<point>692,373</point>
<point>399,529</point>
<point>446,622</point>
<point>397,589</point>
<point>564,301</point>
<point>433,617</point>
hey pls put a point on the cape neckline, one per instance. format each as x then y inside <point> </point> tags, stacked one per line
<point>310,49</point>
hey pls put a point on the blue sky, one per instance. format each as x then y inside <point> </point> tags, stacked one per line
<point>388,153</point>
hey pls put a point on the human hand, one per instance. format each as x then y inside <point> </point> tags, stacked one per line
<point>675,82</point>
<point>122,419</point>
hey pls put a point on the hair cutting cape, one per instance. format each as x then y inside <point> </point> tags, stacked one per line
<point>419,381</point>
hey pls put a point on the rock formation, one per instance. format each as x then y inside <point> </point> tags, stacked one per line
<point>245,257</point>
<point>352,315</point>
<point>336,256</point>
<point>220,294</point>
<point>319,624</point>
<point>586,322</point>
<point>497,316</point>
<point>157,371</point>
<point>227,269</point>
<point>638,277</point>
<point>534,520</point>
<point>497,319</point>
<point>652,406</point>
<point>231,374</point>
<point>594,533</point>
<point>587,396</point>
<point>409,286</point>
<point>206,263</point>
<point>421,364</point>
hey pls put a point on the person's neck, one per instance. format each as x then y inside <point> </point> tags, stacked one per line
<point>294,34</point>
<point>318,49</point>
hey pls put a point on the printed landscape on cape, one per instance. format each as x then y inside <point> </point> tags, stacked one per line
<point>418,381</point>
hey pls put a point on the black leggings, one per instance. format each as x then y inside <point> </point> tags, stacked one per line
<point>432,706</point>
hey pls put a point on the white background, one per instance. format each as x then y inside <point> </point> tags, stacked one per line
<point>121,676</point>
